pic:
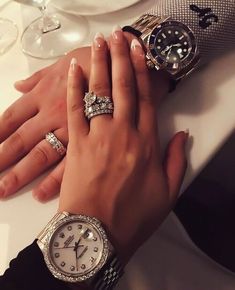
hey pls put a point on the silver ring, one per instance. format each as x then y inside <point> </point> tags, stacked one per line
<point>97,105</point>
<point>55,143</point>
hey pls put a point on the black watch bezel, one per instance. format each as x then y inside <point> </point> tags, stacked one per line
<point>160,61</point>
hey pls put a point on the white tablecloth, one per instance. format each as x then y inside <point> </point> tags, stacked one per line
<point>204,104</point>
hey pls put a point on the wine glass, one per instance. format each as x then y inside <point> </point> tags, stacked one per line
<point>52,35</point>
<point>8,34</point>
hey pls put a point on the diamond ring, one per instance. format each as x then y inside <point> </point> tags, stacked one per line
<point>55,143</point>
<point>97,105</point>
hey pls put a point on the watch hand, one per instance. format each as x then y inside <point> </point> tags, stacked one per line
<point>77,244</point>
<point>70,247</point>
<point>177,45</point>
<point>83,252</point>
<point>166,49</point>
<point>169,52</point>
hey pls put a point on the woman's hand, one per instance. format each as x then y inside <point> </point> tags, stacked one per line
<point>114,169</point>
<point>40,110</point>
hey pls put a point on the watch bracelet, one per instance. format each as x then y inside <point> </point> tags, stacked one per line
<point>146,23</point>
<point>109,275</point>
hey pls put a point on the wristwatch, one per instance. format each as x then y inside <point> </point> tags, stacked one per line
<point>76,250</point>
<point>170,44</point>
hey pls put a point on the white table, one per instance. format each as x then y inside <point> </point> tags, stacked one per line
<point>204,104</point>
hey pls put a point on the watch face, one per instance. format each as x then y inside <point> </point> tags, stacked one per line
<point>78,248</point>
<point>172,44</point>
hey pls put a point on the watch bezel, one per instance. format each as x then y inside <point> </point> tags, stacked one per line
<point>49,261</point>
<point>160,62</point>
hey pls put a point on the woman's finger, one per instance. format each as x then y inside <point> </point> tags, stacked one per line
<point>175,163</point>
<point>77,123</point>
<point>100,75</point>
<point>50,186</point>
<point>42,156</point>
<point>123,81</point>
<point>146,118</point>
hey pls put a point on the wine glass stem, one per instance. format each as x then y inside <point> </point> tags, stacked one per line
<point>49,23</point>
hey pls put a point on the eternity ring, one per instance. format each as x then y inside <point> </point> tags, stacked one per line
<point>97,105</point>
<point>55,143</point>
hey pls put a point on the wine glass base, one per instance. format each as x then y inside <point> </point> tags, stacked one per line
<point>8,34</point>
<point>69,35</point>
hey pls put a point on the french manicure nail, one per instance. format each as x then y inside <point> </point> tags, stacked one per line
<point>136,47</point>
<point>117,33</point>
<point>99,40</point>
<point>73,64</point>
<point>18,83</point>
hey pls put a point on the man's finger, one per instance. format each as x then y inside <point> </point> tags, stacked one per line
<point>42,156</point>
<point>50,186</point>
<point>25,86</point>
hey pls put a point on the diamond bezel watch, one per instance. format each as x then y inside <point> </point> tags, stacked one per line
<point>69,239</point>
<point>170,44</point>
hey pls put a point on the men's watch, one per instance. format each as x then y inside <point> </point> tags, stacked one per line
<point>170,44</point>
<point>76,250</point>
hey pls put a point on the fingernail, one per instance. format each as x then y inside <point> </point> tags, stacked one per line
<point>73,65</point>
<point>99,40</point>
<point>2,189</point>
<point>136,47</point>
<point>117,33</point>
<point>18,83</point>
<point>39,195</point>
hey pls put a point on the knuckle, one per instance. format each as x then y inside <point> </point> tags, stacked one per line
<point>76,108</point>
<point>100,88</point>
<point>124,82</point>
<point>53,181</point>
<point>15,144</point>
<point>8,118</point>
<point>12,179</point>
<point>40,155</point>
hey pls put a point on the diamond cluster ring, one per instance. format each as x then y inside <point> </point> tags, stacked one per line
<point>97,105</point>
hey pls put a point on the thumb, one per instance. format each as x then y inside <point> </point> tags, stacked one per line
<point>175,162</point>
<point>24,86</point>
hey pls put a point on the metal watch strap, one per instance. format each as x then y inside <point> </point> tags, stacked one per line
<point>42,235</point>
<point>109,275</point>
<point>144,25</point>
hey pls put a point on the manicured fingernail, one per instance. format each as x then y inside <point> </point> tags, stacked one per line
<point>73,65</point>
<point>18,83</point>
<point>136,47</point>
<point>99,40</point>
<point>117,33</point>
<point>2,189</point>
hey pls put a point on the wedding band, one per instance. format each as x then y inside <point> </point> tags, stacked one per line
<point>55,143</point>
<point>97,105</point>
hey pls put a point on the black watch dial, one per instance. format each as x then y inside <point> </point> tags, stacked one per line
<point>173,44</point>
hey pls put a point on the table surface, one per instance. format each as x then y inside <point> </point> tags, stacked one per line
<point>204,104</point>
